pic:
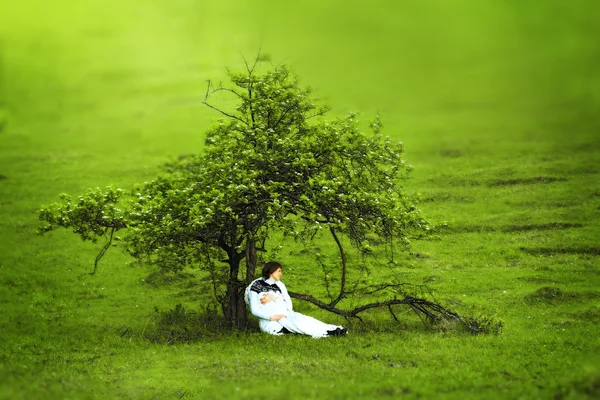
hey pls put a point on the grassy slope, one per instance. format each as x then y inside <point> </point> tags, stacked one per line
<point>487,99</point>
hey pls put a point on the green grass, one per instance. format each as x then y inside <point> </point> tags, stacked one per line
<point>495,101</point>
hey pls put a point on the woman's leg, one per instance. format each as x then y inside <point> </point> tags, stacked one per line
<point>300,323</point>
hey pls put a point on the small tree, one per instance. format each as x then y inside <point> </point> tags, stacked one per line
<point>272,164</point>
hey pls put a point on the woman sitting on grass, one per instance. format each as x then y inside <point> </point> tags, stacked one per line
<point>269,300</point>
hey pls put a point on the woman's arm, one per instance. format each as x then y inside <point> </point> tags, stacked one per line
<point>267,297</point>
<point>255,308</point>
<point>286,296</point>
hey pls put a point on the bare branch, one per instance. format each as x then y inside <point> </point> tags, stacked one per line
<point>250,85</point>
<point>209,92</point>
<point>256,60</point>
<point>246,63</point>
<point>257,57</point>
<point>224,89</point>
<point>224,113</point>
<point>207,89</point>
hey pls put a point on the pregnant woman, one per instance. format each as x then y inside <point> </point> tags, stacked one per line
<point>269,300</point>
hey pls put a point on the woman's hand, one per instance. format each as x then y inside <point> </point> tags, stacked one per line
<point>267,298</point>
<point>276,317</point>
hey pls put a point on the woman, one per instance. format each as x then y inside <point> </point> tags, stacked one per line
<point>269,300</point>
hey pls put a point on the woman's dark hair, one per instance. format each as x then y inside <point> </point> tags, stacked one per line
<point>269,268</point>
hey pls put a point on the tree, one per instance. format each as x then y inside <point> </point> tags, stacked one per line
<point>271,164</point>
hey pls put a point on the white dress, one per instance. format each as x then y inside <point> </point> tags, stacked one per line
<point>294,322</point>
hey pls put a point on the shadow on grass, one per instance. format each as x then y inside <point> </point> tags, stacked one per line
<point>180,325</point>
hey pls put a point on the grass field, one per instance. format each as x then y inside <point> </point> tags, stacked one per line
<point>497,104</point>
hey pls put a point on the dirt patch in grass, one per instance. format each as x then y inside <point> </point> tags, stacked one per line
<point>465,228</point>
<point>588,169</point>
<point>508,228</point>
<point>546,294</point>
<point>591,314</point>
<point>436,197</point>
<point>451,153</point>
<point>525,181</point>
<point>588,387</point>
<point>554,295</point>
<point>444,196</point>
<point>540,227</point>
<point>454,182</point>
<point>551,251</point>
<point>535,279</point>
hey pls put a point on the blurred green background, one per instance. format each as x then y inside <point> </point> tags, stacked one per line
<point>103,92</point>
<point>97,89</point>
<point>413,61</point>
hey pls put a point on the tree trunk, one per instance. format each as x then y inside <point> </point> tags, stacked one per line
<point>250,260</point>
<point>235,306</point>
<point>235,310</point>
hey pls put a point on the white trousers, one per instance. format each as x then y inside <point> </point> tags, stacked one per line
<point>299,323</point>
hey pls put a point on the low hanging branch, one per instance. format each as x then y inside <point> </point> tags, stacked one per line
<point>428,311</point>
<point>356,229</point>
<point>103,250</point>
<point>92,215</point>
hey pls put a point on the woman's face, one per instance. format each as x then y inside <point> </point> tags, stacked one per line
<point>276,275</point>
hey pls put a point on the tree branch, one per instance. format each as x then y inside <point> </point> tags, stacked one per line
<point>103,250</point>
<point>320,304</point>
<point>423,308</point>
<point>209,92</point>
<point>393,315</point>
<point>343,276</point>
<point>225,113</point>
<point>283,114</point>
<point>251,70</point>
<point>224,89</point>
